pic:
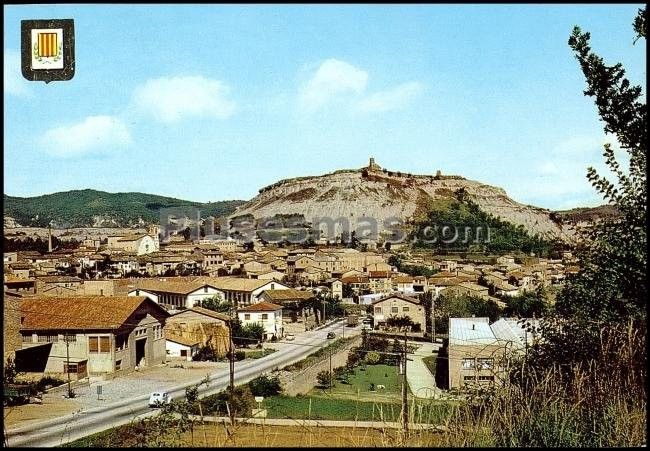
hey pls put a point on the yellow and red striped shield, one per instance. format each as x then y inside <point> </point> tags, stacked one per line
<point>47,45</point>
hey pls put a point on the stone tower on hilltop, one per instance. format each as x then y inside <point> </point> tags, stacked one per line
<point>372,166</point>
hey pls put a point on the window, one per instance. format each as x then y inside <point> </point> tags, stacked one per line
<point>247,316</point>
<point>468,378</point>
<point>27,338</point>
<point>70,368</point>
<point>265,316</point>
<point>205,289</point>
<point>405,309</point>
<point>121,342</point>
<point>99,344</point>
<point>468,364</point>
<point>93,344</point>
<point>486,378</point>
<point>377,309</point>
<point>48,338</point>
<point>70,338</point>
<point>394,309</point>
<point>485,364</point>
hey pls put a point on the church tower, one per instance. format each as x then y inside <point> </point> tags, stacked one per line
<point>154,231</point>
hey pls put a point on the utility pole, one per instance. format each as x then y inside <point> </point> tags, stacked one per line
<point>232,372</point>
<point>433,318</point>
<point>405,405</point>
<point>330,369</point>
<point>67,357</point>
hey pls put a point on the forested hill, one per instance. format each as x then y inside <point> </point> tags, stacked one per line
<point>91,208</point>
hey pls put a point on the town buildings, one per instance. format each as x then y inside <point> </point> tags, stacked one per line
<point>97,335</point>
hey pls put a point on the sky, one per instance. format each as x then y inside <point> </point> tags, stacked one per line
<point>214,102</point>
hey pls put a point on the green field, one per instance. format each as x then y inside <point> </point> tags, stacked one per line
<point>326,408</point>
<point>360,382</point>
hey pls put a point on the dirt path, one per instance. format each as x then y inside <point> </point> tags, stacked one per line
<point>214,435</point>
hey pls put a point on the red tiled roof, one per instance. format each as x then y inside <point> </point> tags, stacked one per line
<point>80,312</point>
<point>261,307</point>
<point>400,296</point>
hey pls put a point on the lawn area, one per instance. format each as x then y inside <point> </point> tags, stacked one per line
<point>259,353</point>
<point>323,408</point>
<point>360,385</point>
<point>430,362</point>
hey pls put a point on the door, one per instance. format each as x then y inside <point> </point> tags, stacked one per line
<point>139,351</point>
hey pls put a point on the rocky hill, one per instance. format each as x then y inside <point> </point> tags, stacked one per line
<point>378,193</point>
<point>91,208</point>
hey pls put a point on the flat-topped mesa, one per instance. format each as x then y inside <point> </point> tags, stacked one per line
<point>375,192</point>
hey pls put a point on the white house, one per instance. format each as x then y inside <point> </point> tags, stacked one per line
<point>175,294</point>
<point>182,347</point>
<point>264,313</point>
<point>242,291</point>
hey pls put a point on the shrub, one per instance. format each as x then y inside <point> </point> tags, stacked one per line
<point>242,402</point>
<point>240,355</point>
<point>324,379</point>
<point>205,353</point>
<point>373,358</point>
<point>265,386</point>
<point>47,382</point>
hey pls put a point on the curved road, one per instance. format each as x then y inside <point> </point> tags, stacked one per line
<point>65,429</point>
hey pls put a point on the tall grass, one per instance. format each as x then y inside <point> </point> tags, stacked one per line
<point>600,402</point>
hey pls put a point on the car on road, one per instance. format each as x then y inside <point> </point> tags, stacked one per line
<point>331,335</point>
<point>289,337</point>
<point>157,399</point>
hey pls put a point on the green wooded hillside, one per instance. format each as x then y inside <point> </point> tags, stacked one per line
<point>77,208</point>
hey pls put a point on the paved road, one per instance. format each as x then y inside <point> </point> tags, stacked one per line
<point>61,430</point>
<point>420,379</point>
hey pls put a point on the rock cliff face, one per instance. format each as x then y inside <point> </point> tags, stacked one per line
<point>377,193</point>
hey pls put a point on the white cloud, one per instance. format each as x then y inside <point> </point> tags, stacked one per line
<point>14,82</point>
<point>170,99</point>
<point>333,78</point>
<point>561,178</point>
<point>94,134</point>
<point>391,99</point>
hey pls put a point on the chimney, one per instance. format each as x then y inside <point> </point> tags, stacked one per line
<point>473,326</point>
<point>49,239</point>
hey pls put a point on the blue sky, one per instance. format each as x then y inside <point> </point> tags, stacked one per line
<point>213,102</point>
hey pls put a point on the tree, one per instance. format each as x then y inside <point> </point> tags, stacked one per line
<point>400,322</point>
<point>373,358</point>
<point>187,233</point>
<point>253,332</point>
<point>266,386</point>
<point>605,301</point>
<point>216,304</point>
<point>612,282</point>
<point>527,305</point>
<point>324,379</point>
